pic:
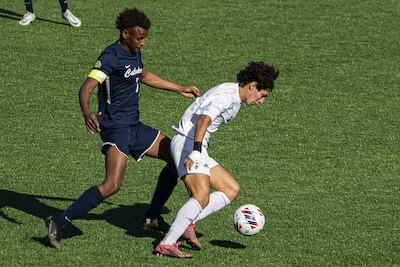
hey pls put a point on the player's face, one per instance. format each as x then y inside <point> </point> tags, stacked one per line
<point>256,97</point>
<point>134,38</point>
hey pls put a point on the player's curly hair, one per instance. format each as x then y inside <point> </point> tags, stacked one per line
<point>132,18</point>
<point>258,72</point>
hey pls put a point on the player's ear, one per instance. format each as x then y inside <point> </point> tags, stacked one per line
<point>124,33</point>
<point>253,86</point>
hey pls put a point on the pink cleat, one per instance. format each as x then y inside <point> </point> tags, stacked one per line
<point>191,237</point>
<point>171,251</point>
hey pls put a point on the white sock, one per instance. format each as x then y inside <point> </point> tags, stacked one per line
<point>217,201</point>
<point>184,217</point>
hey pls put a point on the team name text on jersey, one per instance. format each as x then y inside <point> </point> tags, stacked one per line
<point>130,72</point>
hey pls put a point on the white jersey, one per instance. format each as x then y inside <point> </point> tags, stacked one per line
<point>221,103</point>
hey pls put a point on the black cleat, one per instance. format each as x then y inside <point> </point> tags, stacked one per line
<point>55,231</point>
<point>154,221</point>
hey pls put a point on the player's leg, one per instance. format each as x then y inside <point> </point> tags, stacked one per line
<point>226,190</point>
<point>115,171</point>
<point>29,16</point>
<point>198,186</point>
<point>91,198</point>
<point>168,177</point>
<point>200,192</point>
<point>64,5</point>
<point>67,14</point>
<point>222,181</point>
<point>29,5</point>
<point>167,181</point>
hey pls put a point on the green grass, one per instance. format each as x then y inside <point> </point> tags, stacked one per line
<point>321,157</point>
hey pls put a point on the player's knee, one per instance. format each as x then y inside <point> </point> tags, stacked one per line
<point>236,189</point>
<point>110,188</point>
<point>115,188</point>
<point>233,192</point>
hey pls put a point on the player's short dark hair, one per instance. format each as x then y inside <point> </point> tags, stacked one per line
<point>130,18</point>
<point>258,72</point>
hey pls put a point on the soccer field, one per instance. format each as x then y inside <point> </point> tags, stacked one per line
<point>320,157</point>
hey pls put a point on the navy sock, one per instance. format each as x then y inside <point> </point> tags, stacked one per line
<point>90,199</point>
<point>64,5</point>
<point>166,184</point>
<point>29,7</point>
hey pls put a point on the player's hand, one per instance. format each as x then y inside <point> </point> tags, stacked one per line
<point>91,123</point>
<point>194,158</point>
<point>191,91</point>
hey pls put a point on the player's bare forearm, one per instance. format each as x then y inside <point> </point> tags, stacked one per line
<point>201,128</point>
<point>151,79</point>
<point>84,97</point>
<point>200,132</point>
<point>84,93</point>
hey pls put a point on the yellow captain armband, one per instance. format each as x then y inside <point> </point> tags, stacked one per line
<point>98,75</point>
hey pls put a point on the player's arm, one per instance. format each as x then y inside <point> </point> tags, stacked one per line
<point>151,79</point>
<point>200,132</point>
<point>84,97</point>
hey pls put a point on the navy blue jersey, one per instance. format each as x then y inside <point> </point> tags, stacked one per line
<point>118,72</point>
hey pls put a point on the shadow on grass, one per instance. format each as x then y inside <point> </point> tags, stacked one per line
<point>226,244</point>
<point>30,204</point>
<point>16,16</point>
<point>125,217</point>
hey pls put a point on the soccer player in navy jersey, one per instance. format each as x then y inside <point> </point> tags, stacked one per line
<point>29,16</point>
<point>118,73</point>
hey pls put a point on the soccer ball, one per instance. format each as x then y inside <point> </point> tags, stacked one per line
<point>248,219</point>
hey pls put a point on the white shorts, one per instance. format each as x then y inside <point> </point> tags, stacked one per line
<point>181,147</point>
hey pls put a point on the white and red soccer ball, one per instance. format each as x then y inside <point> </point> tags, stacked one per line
<point>248,219</point>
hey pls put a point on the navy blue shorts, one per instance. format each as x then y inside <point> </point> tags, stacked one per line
<point>133,140</point>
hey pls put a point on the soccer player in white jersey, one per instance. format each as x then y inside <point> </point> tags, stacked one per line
<point>197,169</point>
<point>118,73</point>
